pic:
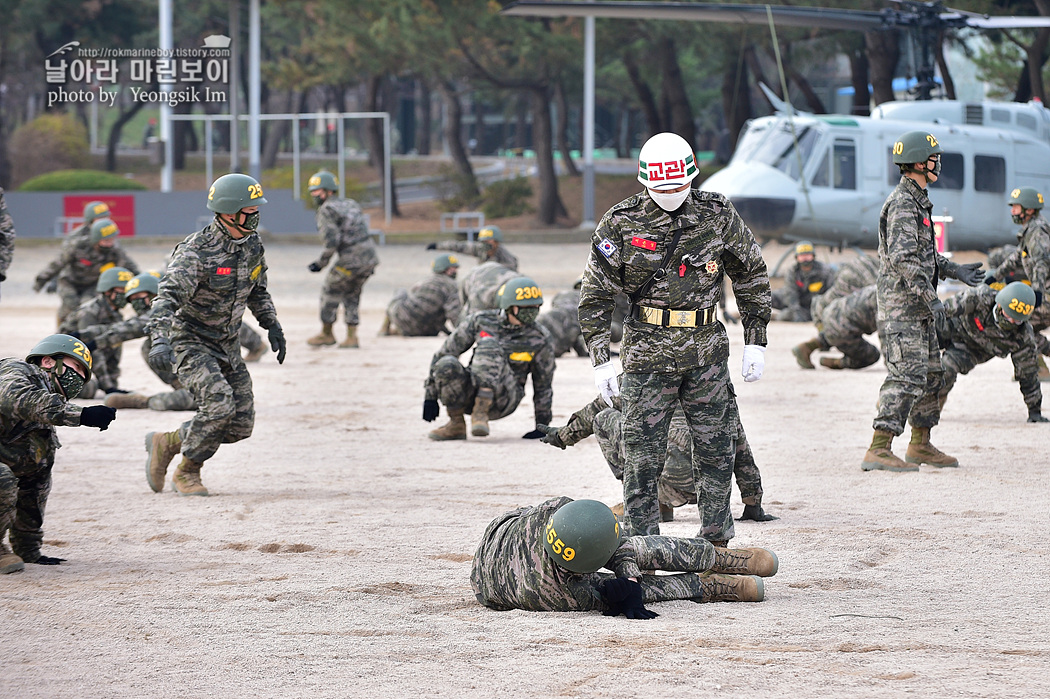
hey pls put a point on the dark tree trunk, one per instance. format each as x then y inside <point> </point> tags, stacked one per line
<point>680,112</point>
<point>279,130</point>
<point>178,137</point>
<point>114,133</point>
<point>816,105</point>
<point>942,64</point>
<point>521,129</point>
<point>645,95</point>
<point>551,206</point>
<point>736,100</point>
<point>883,53</point>
<point>858,62</point>
<point>375,140</point>
<point>563,128</point>
<point>424,124</point>
<point>454,135</point>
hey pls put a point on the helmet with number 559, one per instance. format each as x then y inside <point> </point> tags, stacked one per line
<point>582,535</point>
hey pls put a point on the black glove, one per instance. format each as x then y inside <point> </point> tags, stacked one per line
<point>161,356</point>
<point>432,246</point>
<point>97,416</point>
<point>277,343</point>
<point>1038,299</point>
<point>756,514</point>
<point>989,278</point>
<point>431,410</point>
<point>942,327</point>
<point>3,277</point>
<point>52,286</point>
<point>49,561</point>
<point>534,434</point>
<point>1036,416</point>
<point>624,596</point>
<point>970,274</point>
<point>108,391</point>
<point>550,436</point>
<point>314,267</point>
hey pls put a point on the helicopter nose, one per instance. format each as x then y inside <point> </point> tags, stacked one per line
<point>766,216</point>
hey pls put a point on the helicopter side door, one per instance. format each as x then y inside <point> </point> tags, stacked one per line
<point>835,188</point>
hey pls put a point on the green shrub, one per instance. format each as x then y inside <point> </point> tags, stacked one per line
<point>284,178</point>
<point>505,198</point>
<point>78,181</point>
<point>48,143</point>
<point>456,190</point>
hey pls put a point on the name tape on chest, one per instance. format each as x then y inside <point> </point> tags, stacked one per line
<point>643,243</point>
<point>224,271</point>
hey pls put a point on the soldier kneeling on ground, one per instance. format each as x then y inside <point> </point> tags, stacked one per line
<point>546,559</point>
<point>423,310</point>
<point>34,399</point>
<point>509,347</point>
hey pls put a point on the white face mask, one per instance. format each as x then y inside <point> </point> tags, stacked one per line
<point>669,202</point>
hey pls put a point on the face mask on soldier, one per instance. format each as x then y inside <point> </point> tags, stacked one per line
<point>68,379</point>
<point>1002,321</point>
<point>528,314</point>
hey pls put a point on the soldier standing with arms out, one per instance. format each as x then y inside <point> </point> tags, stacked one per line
<point>213,276</point>
<point>910,311</point>
<point>1032,257</point>
<point>344,234</point>
<point>34,399</point>
<point>668,248</point>
<point>487,248</point>
<point>7,238</point>
<point>424,309</point>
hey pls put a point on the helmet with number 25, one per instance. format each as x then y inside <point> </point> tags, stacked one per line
<point>233,192</point>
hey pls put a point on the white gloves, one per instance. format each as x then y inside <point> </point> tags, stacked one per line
<point>754,362</point>
<point>605,380</point>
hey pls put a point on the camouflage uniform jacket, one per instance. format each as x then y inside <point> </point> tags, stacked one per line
<point>854,313</point>
<point>30,405</point>
<point>512,569</point>
<point>344,233</point>
<point>81,262</point>
<point>970,314</point>
<point>7,236</point>
<point>115,333</point>
<point>855,274</point>
<point>562,321</point>
<point>627,249</point>
<point>95,312</point>
<point>482,251</point>
<point>802,286</point>
<point>1032,255</point>
<point>430,302</point>
<point>527,348</point>
<point>207,286</point>
<point>911,265</point>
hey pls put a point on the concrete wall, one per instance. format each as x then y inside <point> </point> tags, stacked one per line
<point>156,214</point>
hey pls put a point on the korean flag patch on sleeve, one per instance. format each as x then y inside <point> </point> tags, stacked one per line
<point>606,247</point>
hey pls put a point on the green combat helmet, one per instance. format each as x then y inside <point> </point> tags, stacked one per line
<point>915,147</point>
<point>233,192</point>
<point>112,278</point>
<point>103,229</point>
<point>95,210</point>
<point>520,291</point>
<point>490,233</point>
<point>143,282</point>
<point>322,180</point>
<point>804,247</point>
<point>62,346</point>
<point>442,263</point>
<point>1016,300</point>
<point>582,535</point>
<point>1027,197</point>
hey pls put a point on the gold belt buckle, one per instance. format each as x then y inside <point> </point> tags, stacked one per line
<point>682,319</point>
<point>653,316</point>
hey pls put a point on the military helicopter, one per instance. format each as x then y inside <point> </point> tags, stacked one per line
<point>824,177</point>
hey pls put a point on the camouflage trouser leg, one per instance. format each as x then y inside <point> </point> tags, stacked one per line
<point>1040,320</point>
<point>745,470</point>
<point>454,383</point>
<point>491,370</point>
<point>343,287</point>
<point>225,408</point>
<point>71,296</point>
<point>249,339</point>
<point>608,430</point>
<point>858,353</point>
<point>913,360</point>
<point>25,482</point>
<point>173,400</point>
<point>649,401</point>
<point>686,556</point>
<point>956,360</point>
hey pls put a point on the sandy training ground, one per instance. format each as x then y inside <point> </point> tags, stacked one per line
<point>333,558</point>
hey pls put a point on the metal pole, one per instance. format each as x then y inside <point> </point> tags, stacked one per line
<point>94,122</point>
<point>166,44</point>
<point>254,88</point>
<point>388,205</point>
<point>208,172</point>
<point>296,194</point>
<point>235,86</point>
<point>588,124</point>
<point>342,157</point>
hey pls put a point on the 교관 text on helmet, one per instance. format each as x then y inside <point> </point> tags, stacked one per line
<point>177,97</point>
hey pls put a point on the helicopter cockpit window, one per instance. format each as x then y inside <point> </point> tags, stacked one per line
<point>845,165</point>
<point>989,174</point>
<point>776,147</point>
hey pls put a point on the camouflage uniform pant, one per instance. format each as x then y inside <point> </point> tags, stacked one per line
<point>706,395</point>
<point>173,400</point>
<point>249,339</point>
<point>688,558</point>
<point>676,487</point>
<point>71,296</point>
<point>915,374</point>
<point>457,386</point>
<point>343,287</point>
<point>1040,320</point>
<point>407,323</point>
<point>25,482</point>
<point>222,391</point>
<point>857,352</point>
